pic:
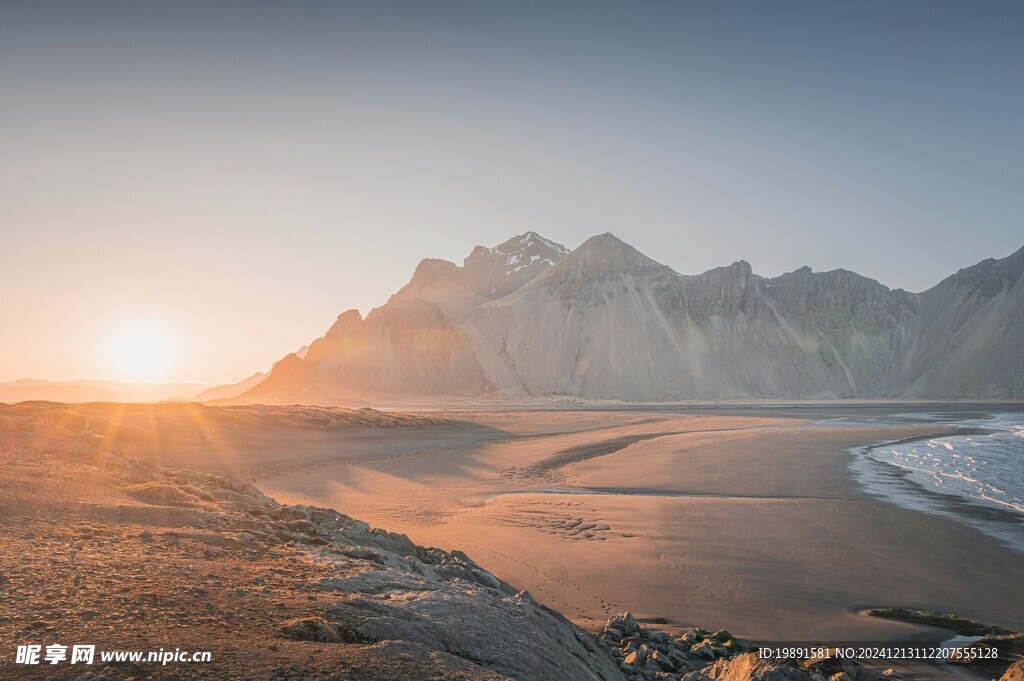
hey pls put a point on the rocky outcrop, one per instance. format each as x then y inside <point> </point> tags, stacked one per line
<point>383,588</point>
<point>528,318</point>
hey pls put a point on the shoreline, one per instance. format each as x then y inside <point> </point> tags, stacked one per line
<point>783,517</point>
<point>895,484</point>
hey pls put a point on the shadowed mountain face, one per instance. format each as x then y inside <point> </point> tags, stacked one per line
<point>530,318</point>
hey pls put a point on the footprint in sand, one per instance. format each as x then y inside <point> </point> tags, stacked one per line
<point>605,606</point>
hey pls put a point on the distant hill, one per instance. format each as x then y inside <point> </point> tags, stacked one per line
<point>28,389</point>
<point>529,318</point>
<point>230,390</point>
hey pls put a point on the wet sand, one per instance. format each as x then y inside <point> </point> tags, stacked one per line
<point>750,522</point>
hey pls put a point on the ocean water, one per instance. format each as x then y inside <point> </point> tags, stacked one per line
<point>987,467</point>
<point>975,475</point>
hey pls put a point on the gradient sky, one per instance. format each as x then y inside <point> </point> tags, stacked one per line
<point>243,172</point>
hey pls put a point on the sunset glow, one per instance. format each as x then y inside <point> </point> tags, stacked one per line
<point>141,350</point>
<point>590,340</point>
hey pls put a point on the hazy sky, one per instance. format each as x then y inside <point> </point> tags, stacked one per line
<point>243,172</point>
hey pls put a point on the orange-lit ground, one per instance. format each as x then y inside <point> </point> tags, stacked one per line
<point>748,521</point>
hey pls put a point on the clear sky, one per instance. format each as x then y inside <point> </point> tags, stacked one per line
<point>240,173</point>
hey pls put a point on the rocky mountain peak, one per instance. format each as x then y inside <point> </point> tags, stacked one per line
<point>739,273</point>
<point>346,320</point>
<point>518,253</point>
<point>741,268</point>
<point>606,253</point>
<point>288,362</point>
<point>433,280</point>
<point>487,272</point>
<point>497,271</point>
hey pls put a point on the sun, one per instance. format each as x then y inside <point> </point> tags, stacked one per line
<point>140,350</point>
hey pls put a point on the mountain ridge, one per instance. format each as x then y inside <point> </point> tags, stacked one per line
<point>530,318</point>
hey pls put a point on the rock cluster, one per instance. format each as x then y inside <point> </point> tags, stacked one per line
<point>645,654</point>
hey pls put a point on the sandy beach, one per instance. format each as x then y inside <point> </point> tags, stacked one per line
<point>748,519</point>
<point>749,522</point>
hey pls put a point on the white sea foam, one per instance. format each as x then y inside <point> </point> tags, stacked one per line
<point>983,465</point>
<point>986,467</point>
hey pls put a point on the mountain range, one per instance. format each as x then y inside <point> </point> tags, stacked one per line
<point>30,389</point>
<point>529,318</point>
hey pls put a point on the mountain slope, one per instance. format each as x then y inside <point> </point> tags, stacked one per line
<point>971,341</point>
<point>529,318</point>
<point>592,326</point>
<point>230,390</point>
<point>408,347</point>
